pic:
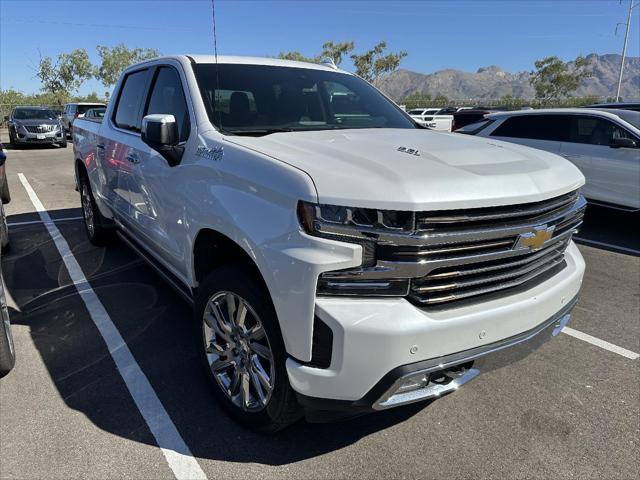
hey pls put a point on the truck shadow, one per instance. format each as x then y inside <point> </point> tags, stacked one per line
<point>155,323</point>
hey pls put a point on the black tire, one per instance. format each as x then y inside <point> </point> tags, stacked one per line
<point>12,141</point>
<point>63,143</point>
<point>282,408</point>
<point>7,350</point>
<point>100,230</point>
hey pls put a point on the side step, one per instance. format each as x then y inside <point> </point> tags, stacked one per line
<point>169,277</point>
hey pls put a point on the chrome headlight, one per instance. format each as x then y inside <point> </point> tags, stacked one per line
<point>361,226</point>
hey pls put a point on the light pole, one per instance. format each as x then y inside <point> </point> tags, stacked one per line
<point>624,48</point>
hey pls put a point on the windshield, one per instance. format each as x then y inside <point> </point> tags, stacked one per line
<point>261,99</point>
<point>33,114</point>
<point>415,112</point>
<point>628,116</point>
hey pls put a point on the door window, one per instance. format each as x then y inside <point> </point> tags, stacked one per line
<point>167,97</point>
<point>535,127</point>
<point>132,94</point>
<point>595,131</point>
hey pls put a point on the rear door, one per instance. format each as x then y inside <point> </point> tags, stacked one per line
<point>121,146</point>
<point>157,206</point>
<point>613,174</point>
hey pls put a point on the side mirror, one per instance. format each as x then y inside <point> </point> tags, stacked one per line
<point>160,132</point>
<point>623,143</point>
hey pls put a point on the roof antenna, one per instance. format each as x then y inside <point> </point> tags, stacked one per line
<point>215,53</point>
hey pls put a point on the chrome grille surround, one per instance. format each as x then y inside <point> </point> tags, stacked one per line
<point>39,128</point>
<point>459,254</point>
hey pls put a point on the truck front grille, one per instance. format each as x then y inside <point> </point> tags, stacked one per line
<point>467,254</point>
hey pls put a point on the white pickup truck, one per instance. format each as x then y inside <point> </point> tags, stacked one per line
<point>339,259</point>
<point>432,119</point>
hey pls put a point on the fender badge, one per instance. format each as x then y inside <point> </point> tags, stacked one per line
<point>215,153</point>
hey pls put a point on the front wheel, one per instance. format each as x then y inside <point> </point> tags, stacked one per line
<point>242,350</point>
<point>63,143</point>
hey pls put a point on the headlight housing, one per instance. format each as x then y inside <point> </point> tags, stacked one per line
<point>361,226</point>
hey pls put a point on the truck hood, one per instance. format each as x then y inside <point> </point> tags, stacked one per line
<point>364,168</point>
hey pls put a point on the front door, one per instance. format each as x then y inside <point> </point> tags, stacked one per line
<point>157,208</point>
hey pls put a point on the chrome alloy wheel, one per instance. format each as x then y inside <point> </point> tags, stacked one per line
<point>87,209</point>
<point>238,351</point>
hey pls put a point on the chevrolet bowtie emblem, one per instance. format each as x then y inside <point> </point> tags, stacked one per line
<point>535,240</point>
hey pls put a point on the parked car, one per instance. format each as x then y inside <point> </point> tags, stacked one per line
<point>603,144</point>
<point>432,118</point>
<point>7,350</point>
<point>467,116</point>
<point>635,106</point>
<point>35,125</point>
<point>418,114</point>
<point>95,114</point>
<point>76,110</point>
<point>339,258</point>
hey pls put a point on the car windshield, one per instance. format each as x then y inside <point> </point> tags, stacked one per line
<point>33,114</point>
<point>415,112</point>
<point>261,99</point>
<point>628,116</point>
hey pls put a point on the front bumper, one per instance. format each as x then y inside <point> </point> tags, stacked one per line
<point>442,375</point>
<point>372,338</point>
<point>39,138</point>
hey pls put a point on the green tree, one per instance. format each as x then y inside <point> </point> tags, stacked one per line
<point>114,60</point>
<point>553,78</point>
<point>298,57</point>
<point>440,101</point>
<point>336,51</point>
<point>373,64</point>
<point>66,74</point>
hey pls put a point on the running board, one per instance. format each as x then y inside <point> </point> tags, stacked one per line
<point>169,277</point>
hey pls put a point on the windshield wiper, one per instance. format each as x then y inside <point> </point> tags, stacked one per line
<point>260,131</point>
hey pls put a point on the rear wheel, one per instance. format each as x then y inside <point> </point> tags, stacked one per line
<point>100,230</point>
<point>242,350</point>
<point>63,142</point>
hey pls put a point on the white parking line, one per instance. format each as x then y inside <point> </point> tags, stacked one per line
<point>601,343</point>
<point>33,222</point>
<point>175,450</point>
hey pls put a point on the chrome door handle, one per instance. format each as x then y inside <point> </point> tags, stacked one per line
<point>133,158</point>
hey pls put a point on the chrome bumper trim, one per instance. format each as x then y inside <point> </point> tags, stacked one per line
<point>480,360</point>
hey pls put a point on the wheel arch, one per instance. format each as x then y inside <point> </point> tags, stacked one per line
<point>212,249</point>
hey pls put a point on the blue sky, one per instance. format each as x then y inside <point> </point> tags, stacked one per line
<point>463,34</point>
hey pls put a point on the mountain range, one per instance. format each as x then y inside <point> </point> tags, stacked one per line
<point>493,82</point>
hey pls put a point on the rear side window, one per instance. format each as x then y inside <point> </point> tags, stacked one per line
<point>167,97</point>
<point>476,127</point>
<point>595,131</point>
<point>132,95</point>
<point>535,127</point>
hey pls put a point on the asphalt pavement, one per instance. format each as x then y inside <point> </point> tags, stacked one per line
<point>571,410</point>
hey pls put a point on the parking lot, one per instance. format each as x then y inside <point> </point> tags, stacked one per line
<point>571,410</point>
